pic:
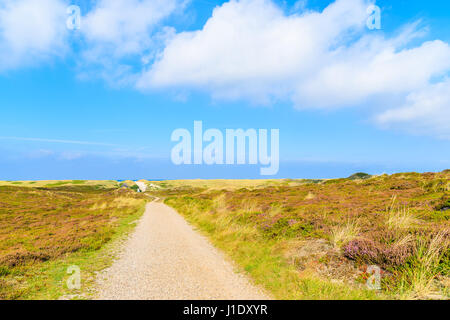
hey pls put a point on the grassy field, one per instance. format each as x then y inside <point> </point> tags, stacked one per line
<point>316,239</point>
<point>300,239</point>
<point>58,183</point>
<point>47,226</point>
<point>219,184</point>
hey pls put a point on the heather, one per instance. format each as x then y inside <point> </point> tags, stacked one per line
<point>399,223</point>
<point>43,230</point>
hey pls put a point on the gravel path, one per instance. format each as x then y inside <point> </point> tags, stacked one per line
<point>166,259</point>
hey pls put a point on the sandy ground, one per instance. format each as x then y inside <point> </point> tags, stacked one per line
<point>166,259</point>
<point>142,186</point>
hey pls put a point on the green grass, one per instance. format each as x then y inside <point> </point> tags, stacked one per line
<point>54,183</point>
<point>265,226</point>
<point>45,230</point>
<point>259,257</point>
<point>346,224</point>
<point>47,281</point>
<point>228,184</point>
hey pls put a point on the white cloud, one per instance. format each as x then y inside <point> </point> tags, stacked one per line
<point>370,67</point>
<point>122,34</point>
<point>70,155</point>
<point>40,153</point>
<point>31,32</point>
<point>59,141</point>
<point>426,111</point>
<point>116,36</point>
<point>251,49</point>
<point>125,26</point>
<point>248,49</point>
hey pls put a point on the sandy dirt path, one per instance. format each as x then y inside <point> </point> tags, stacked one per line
<point>166,259</point>
<point>142,186</point>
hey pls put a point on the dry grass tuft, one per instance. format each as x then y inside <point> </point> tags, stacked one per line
<point>420,279</point>
<point>249,206</point>
<point>310,196</point>
<point>403,242</point>
<point>220,204</point>
<point>126,202</point>
<point>343,234</point>
<point>274,211</point>
<point>99,206</point>
<point>399,218</point>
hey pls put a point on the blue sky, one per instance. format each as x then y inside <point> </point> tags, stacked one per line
<point>101,102</point>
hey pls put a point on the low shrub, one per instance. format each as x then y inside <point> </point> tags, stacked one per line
<point>370,252</point>
<point>359,176</point>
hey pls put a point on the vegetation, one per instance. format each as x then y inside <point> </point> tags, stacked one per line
<point>228,184</point>
<point>43,230</point>
<point>54,183</point>
<point>359,175</point>
<point>316,239</point>
<point>300,239</point>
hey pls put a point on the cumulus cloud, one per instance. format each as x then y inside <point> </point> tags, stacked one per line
<point>426,111</point>
<point>125,26</point>
<point>251,49</point>
<point>247,49</point>
<point>374,68</point>
<point>115,35</point>
<point>120,34</point>
<point>31,32</point>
